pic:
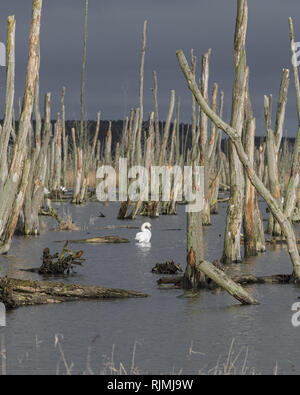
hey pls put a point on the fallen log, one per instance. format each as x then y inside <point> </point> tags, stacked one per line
<point>274,279</point>
<point>101,240</point>
<point>244,279</point>
<point>219,277</point>
<point>16,293</point>
<point>176,280</point>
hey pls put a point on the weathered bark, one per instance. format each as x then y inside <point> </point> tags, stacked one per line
<point>291,193</point>
<point>78,175</point>
<point>231,251</point>
<point>220,278</point>
<point>141,91</point>
<point>57,158</point>
<point>35,190</point>
<point>165,138</point>
<point>108,142</point>
<point>16,208</point>
<point>204,160</point>
<point>261,189</point>
<point>9,101</point>
<point>38,120</point>
<point>27,292</point>
<point>192,277</point>
<point>216,158</point>
<point>81,134</point>
<point>156,114</point>
<point>64,137</point>
<point>8,204</point>
<point>102,240</point>
<point>88,161</point>
<point>254,241</point>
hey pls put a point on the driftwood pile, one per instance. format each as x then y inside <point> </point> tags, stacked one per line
<point>60,264</point>
<point>167,268</point>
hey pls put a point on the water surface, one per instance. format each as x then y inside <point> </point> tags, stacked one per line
<point>163,327</point>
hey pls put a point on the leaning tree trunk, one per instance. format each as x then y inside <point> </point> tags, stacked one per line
<point>286,226</point>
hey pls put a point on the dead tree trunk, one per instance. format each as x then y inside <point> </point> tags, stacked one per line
<point>35,189</point>
<point>286,226</point>
<point>291,193</point>
<point>273,144</point>
<point>254,240</point>
<point>204,160</point>
<point>64,137</point>
<point>9,206</point>
<point>193,278</point>
<point>9,101</point>
<point>231,251</point>
<point>141,92</point>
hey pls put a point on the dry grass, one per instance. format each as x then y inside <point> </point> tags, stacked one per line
<point>70,178</point>
<point>67,223</point>
<point>43,225</point>
<point>235,363</point>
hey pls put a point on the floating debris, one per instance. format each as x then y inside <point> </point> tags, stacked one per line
<point>6,293</point>
<point>102,240</point>
<point>167,268</point>
<point>60,264</point>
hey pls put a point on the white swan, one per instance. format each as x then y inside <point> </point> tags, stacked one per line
<point>145,235</point>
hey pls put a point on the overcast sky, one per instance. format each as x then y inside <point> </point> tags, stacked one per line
<point>114,43</point>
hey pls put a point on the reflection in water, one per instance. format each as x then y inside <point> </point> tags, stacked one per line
<point>143,249</point>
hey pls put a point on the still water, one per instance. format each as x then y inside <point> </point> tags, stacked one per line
<point>165,332</point>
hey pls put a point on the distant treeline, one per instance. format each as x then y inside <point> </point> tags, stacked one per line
<point>117,127</point>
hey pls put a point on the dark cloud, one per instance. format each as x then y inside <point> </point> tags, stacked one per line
<point>114,40</point>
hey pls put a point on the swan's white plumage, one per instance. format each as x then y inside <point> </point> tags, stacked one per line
<point>145,235</point>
